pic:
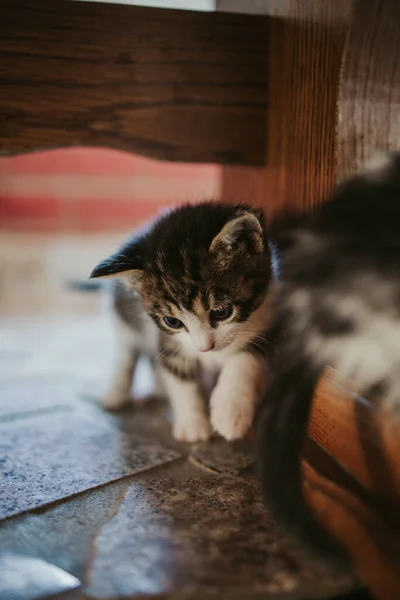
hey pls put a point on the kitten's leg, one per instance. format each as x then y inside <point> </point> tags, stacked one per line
<point>190,421</point>
<point>159,383</point>
<point>235,398</point>
<point>127,357</point>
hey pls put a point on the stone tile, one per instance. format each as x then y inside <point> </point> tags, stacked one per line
<point>197,537</point>
<point>220,456</point>
<point>63,533</point>
<point>75,347</point>
<point>78,351</point>
<point>26,578</point>
<point>56,455</point>
<point>30,396</point>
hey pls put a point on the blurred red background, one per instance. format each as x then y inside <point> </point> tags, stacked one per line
<point>90,189</point>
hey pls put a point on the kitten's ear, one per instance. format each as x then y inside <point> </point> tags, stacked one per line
<point>125,264</point>
<point>245,228</point>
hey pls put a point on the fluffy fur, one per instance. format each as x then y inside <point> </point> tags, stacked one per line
<point>194,297</point>
<point>337,304</point>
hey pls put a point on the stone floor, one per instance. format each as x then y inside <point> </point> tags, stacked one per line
<point>94,505</point>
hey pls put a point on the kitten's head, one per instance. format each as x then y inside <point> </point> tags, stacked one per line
<point>202,271</point>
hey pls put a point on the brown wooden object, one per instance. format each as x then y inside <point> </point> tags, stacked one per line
<point>305,47</point>
<point>369,537</point>
<point>306,52</point>
<point>173,85</point>
<point>369,93</point>
<point>363,438</point>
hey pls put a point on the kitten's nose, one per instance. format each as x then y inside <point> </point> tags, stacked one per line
<point>208,347</point>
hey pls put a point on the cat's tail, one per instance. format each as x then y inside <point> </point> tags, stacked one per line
<point>282,428</point>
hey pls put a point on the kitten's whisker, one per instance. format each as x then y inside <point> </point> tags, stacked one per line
<point>255,335</point>
<point>162,354</point>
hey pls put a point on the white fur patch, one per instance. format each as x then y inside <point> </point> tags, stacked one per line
<point>200,335</point>
<point>370,354</point>
<point>190,421</point>
<point>120,389</point>
<point>234,400</point>
<point>130,345</point>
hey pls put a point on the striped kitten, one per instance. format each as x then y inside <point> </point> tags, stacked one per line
<point>338,304</point>
<point>194,298</point>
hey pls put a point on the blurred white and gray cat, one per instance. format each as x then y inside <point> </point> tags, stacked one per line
<point>337,303</point>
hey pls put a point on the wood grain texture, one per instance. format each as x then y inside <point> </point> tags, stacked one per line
<point>305,54</point>
<point>369,97</point>
<point>288,9</point>
<point>373,544</point>
<point>358,500</point>
<point>169,84</point>
<point>363,439</point>
<point>305,60</point>
<point>243,184</point>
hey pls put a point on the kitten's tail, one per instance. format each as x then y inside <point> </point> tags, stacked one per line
<point>282,427</point>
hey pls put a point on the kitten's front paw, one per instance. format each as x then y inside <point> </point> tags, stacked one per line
<point>114,400</point>
<point>231,415</point>
<point>194,429</point>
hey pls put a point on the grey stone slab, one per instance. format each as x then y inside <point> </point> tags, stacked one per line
<point>220,456</point>
<point>25,398</point>
<point>57,455</point>
<point>198,537</point>
<point>28,578</point>
<point>78,347</point>
<point>63,533</point>
<point>77,351</point>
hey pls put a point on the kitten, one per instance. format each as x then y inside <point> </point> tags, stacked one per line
<point>337,303</point>
<point>195,298</point>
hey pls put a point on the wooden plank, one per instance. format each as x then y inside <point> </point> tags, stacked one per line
<point>362,437</point>
<point>371,542</point>
<point>173,85</point>
<point>303,89</point>
<point>305,50</point>
<point>369,98</point>
<point>355,488</point>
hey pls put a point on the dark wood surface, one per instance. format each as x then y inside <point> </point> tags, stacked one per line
<point>369,538</point>
<point>169,84</point>
<point>369,95</point>
<point>303,90</point>
<point>352,480</point>
<point>363,438</point>
<point>305,52</point>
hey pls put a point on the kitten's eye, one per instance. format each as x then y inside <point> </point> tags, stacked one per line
<point>173,323</point>
<point>222,313</point>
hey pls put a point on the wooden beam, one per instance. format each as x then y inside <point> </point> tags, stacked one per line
<point>303,90</point>
<point>369,97</point>
<point>370,539</point>
<point>306,46</point>
<point>168,84</point>
<point>363,438</point>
